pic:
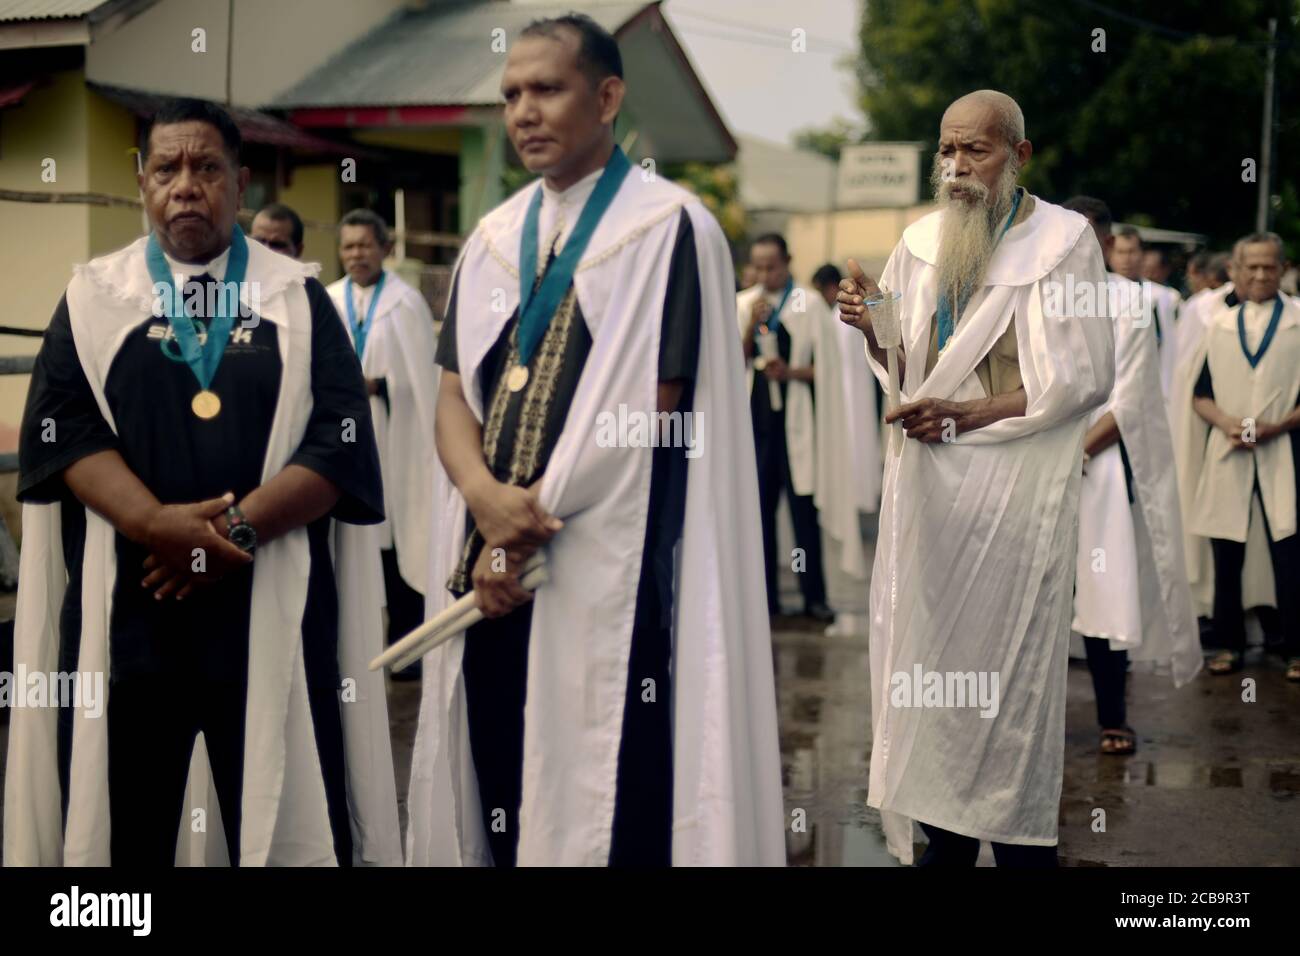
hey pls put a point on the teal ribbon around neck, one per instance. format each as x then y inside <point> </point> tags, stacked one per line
<point>359,332</point>
<point>536,309</point>
<point>202,358</point>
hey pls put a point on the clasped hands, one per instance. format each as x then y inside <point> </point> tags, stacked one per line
<point>174,533</point>
<point>1235,429</point>
<point>513,524</point>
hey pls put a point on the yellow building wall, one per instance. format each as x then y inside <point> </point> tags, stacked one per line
<point>39,243</point>
<point>314,195</point>
<point>111,132</point>
<point>867,235</point>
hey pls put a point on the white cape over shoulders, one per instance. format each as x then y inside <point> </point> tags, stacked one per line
<point>727,802</point>
<point>400,349</point>
<point>284,812</point>
<point>1131,584</point>
<point>1190,434</point>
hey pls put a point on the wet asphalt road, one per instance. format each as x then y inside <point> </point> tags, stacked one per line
<point>1215,781</point>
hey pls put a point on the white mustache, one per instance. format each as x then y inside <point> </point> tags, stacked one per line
<point>972,188</point>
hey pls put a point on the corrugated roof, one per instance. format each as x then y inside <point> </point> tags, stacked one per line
<point>46,9</point>
<point>433,57</point>
<point>254,126</point>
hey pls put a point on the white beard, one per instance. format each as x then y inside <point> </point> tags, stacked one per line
<point>968,230</point>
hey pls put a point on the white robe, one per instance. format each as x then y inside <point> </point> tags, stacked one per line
<point>284,811</point>
<point>727,802</point>
<point>847,472</point>
<point>975,559</point>
<point>863,416</point>
<point>1190,433</point>
<point>399,349</point>
<point>1164,302</point>
<point>1131,582</point>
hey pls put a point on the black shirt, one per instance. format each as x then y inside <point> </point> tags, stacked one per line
<point>182,458</point>
<point>679,347</point>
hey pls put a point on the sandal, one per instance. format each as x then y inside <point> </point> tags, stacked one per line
<point>1119,743</point>
<point>1293,670</point>
<point>1224,662</point>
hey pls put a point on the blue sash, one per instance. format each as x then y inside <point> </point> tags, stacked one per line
<point>537,310</point>
<point>359,333</point>
<point>1269,332</point>
<point>774,320</point>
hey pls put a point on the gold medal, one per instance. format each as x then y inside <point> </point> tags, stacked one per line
<point>760,363</point>
<point>517,378</point>
<point>206,404</point>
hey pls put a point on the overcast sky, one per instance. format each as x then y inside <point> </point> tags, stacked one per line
<point>741,49</point>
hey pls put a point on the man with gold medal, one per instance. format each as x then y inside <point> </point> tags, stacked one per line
<point>624,714</point>
<point>197,463</point>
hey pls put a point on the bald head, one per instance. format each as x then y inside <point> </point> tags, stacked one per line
<point>981,138</point>
<point>988,110</point>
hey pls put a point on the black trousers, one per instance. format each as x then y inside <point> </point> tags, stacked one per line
<point>1109,671</point>
<point>495,671</point>
<point>405,604</point>
<point>153,720</point>
<point>952,849</point>
<point>773,478</point>
<point>1229,616</point>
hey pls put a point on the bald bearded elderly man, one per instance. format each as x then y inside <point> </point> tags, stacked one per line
<point>971,591</point>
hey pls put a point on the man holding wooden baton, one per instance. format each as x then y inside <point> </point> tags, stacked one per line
<point>569,727</point>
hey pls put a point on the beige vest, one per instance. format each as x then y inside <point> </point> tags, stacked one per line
<point>1266,393</point>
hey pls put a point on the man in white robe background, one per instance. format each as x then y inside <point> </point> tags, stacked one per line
<point>391,328</point>
<point>1131,600</point>
<point>1206,271</point>
<point>782,327</point>
<point>625,713</point>
<point>1242,446</point>
<point>1216,291</point>
<point>971,593</point>
<point>1157,266</point>
<point>848,463</point>
<point>1126,259</point>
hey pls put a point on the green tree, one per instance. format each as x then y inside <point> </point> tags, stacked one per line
<point>828,140</point>
<point>719,191</point>
<point>1157,123</point>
